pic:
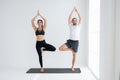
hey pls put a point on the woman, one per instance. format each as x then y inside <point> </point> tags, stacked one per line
<point>41,44</point>
<point>73,41</point>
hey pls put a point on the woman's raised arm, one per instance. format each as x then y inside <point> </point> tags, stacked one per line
<point>33,24</point>
<point>45,21</point>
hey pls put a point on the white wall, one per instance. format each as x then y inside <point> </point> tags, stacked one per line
<point>17,43</point>
<point>107,53</point>
<point>117,41</point>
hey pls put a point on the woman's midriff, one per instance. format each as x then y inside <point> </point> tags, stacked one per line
<point>40,37</point>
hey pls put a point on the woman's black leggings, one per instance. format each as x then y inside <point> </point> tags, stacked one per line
<point>47,47</point>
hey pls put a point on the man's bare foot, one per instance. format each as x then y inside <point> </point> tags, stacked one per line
<point>42,70</point>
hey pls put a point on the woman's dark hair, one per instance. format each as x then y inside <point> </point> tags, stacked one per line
<point>41,21</point>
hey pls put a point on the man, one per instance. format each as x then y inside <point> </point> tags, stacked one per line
<point>73,41</point>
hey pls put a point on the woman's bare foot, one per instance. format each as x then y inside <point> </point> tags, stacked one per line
<point>42,50</point>
<point>42,70</point>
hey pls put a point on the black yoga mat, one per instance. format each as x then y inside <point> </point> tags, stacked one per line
<point>54,70</point>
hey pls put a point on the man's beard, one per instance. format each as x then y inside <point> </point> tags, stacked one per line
<point>74,23</point>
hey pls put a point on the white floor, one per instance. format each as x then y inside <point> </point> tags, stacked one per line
<point>20,74</point>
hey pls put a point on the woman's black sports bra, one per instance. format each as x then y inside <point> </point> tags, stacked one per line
<point>42,32</point>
